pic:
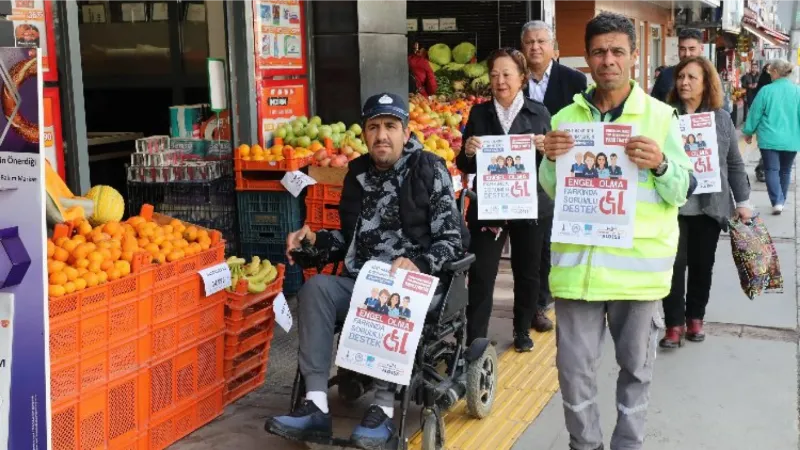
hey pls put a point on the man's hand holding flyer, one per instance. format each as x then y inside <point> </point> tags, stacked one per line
<point>384,323</point>
<point>507,178</point>
<point>596,187</point>
<point>699,133</point>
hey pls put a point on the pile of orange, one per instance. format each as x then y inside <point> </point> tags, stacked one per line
<point>96,255</point>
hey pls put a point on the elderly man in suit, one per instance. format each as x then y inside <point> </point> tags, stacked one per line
<point>554,85</point>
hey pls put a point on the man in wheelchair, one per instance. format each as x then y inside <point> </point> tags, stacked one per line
<point>397,206</point>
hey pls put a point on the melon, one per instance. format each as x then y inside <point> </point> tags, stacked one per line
<point>109,206</point>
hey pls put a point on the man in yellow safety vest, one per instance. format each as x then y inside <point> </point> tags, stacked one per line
<point>595,285</point>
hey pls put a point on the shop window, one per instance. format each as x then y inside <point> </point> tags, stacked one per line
<point>655,50</point>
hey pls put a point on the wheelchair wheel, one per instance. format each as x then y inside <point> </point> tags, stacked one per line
<point>482,383</point>
<point>432,430</point>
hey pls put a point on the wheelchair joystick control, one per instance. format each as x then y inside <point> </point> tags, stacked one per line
<point>309,256</point>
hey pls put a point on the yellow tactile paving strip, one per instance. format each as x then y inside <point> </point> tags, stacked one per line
<point>527,381</point>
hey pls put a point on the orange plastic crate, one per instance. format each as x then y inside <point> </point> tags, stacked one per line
<point>109,417</point>
<point>181,295</point>
<point>251,317</point>
<point>247,383</point>
<point>96,299</point>
<point>246,182</point>
<point>238,343</point>
<point>240,299</point>
<point>247,361</point>
<point>76,376</point>
<point>325,192</point>
<point>181,422</point>
<point>287,165</point>
<point>175,381</point>
<point>170,337</point>
<point>323,214</point>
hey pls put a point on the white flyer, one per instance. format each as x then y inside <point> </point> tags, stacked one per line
<point>296,181</point>
<point>507,178</point>
<point>384,324</point>
<point>216,278</point>
<point>6,338</point>
<point>699,133</point>
<point>596,187</point>
<point>283,316</point>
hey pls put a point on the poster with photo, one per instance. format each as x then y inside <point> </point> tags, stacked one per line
<point>699,132</point>
<point>596,187</point>
<point>507,178</point>
<point>280,102</point>
<point>22,239</point>
<point>279,36</point>
<point>384,324</point>
<point>30,31</point>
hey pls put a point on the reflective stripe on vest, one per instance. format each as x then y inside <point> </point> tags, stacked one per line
<point>614,262</point>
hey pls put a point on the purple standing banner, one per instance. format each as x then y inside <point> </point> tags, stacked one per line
<point>22,247</point>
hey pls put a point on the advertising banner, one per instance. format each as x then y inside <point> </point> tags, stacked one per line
<point>30,30</point>
<point>700,143</point>
<point>384,324</point>
<point>507,178</point>
<point>22,238</point>
<point>596,187</point>
<point>279,36</point>
<point>281,102</point>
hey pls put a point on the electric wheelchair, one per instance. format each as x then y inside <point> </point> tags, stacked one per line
<point>446,369</point>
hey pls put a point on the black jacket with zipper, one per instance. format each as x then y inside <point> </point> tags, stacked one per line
<point>533,118</point>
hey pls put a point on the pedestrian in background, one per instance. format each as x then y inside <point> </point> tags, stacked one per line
<point>775,118</point>
<point>690,44</point>
<point>698,89</point>
<point>554,85</point>
<point>596,285</point>
<point>509,112</point>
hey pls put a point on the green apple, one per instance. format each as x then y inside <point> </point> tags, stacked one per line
<point>316,120</point>
<point>303,120</point>
<point>312,131</point>
<point>304,142</point>
<point>342,127</point>
<point>280,132</point>
<point>298,130</point>
<point>325,131</point>
<point>356,129</point>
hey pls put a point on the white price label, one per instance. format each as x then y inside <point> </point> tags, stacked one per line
<point>216,278</point>
<point>282,314</point>
<point>296,181</point>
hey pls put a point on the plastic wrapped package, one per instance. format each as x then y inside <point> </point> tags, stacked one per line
<point>755,257</point>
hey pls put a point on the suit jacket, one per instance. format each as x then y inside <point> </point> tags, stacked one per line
<point>664,84</point>
<point>564,83</point>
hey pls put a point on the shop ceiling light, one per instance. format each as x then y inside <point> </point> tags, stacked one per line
<point>5,75</point>
<point>14,264</point>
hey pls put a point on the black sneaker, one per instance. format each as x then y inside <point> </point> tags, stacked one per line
<point>375,430</point>
<point>304,423</point>
<point>523,341</point>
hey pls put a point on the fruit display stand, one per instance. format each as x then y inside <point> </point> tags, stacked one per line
<point>249,327</point>
<point>137,359</point>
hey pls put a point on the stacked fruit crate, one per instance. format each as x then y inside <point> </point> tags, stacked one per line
<point>138,362</point>
<point>249,326</point>
<point>267,212</point>
<point>322,213</point>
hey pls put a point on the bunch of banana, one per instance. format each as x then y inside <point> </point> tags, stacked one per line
<point>258,273</point>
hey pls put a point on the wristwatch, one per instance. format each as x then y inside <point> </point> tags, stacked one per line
<point>662,168</point>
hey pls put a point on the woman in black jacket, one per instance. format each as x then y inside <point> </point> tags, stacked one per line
<point>509,112</point>
<point>763,80</point>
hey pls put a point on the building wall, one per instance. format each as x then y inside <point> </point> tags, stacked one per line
<point>571,18</point>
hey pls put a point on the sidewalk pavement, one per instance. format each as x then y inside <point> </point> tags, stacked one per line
<point>738,389</point>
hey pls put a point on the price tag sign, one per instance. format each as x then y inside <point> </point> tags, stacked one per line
<point>296,181</point>
<point>216,278</point>
<point>282,314</point>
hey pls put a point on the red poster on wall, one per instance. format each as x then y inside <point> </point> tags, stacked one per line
<point>49,66</point>
<point>280,37</point>
<point>53,143</point>
<point>280,102</point>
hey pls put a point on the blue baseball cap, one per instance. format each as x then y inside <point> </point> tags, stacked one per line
<point>385,104</point>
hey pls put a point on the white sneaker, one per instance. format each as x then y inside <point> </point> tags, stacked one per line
<point>777,209</point>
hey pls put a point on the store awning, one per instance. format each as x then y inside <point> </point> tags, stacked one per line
<point>765,35</point>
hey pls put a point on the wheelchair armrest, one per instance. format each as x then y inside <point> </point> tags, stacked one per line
<point>460,265</point>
